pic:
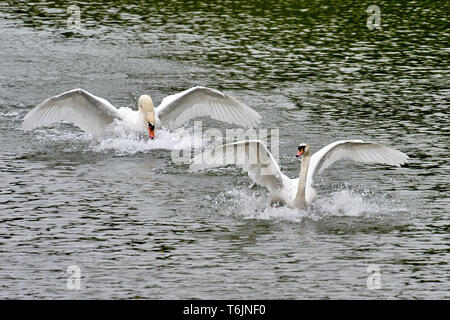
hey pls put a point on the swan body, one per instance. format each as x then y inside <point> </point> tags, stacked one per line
<point>93,114</point>
<point>254,157</point>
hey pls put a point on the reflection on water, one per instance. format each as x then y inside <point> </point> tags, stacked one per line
<point>140,226</point>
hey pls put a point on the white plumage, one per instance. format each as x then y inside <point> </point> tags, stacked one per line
<point>254,157</point>
<point>93,114</point>
<point>179,108</point>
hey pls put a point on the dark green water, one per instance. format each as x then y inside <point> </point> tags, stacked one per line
<point>140,226</point>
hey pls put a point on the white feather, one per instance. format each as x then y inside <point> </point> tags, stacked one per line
<point>92,114</point>
<point>251,155</point>
<point>356,150</point>
<point>254,157</point>
<point>179,108</point>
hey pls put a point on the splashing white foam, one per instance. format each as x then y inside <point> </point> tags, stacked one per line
<point>124,142</point>
<point>59,139</point>
<point>10,114</point>
<point>342,203</point>
<point>118,139</point>
<point>350,203</point>
<point>242,202</point>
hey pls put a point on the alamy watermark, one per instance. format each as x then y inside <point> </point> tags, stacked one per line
<point>374,20</point>
<point>374,279</point>
<point>74,20</point>
<point>73,282</point>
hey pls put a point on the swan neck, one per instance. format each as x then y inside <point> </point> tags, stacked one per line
<point>300,199</point>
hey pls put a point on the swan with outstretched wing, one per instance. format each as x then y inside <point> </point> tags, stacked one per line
<point>93,114</point>
<point>254,157</point>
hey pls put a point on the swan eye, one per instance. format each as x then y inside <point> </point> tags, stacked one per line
<point>300,148</point>
<point>151,126</point>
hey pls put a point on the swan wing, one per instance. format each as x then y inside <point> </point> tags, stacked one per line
<point>356,150</point>
<point>179,108</point>
<point>251,155</point>
<point>92,114</point>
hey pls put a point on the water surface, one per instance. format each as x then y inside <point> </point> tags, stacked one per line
<point>140,226</point>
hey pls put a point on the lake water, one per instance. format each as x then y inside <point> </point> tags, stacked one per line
<point>137,225</point>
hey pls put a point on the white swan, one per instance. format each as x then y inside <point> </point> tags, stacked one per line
<point>254,157</point>
<point>93,114</point>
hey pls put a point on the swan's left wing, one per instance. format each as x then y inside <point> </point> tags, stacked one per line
<point>251,155</point>
<point>356,150</point>
<point>179,108</point>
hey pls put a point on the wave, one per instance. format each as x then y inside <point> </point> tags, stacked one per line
<point>242,202</point>
<point>118,140</point>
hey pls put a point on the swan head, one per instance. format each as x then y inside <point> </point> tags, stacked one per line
<point>145,105</point>
<point>303,150</point>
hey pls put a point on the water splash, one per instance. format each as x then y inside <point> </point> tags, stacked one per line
<point>10,114</point>
<point>118,139</point>
<point>351,203</point>
<point>242,202</point>
<point>125,143</point>
<point>59,139</point>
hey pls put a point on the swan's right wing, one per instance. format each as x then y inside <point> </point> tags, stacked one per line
<point>92,114</point>
<point>251,155</point>
<point>356,150</point>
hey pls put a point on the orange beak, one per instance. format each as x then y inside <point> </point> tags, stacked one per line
<point>151,131</point>
<point>299,153</point>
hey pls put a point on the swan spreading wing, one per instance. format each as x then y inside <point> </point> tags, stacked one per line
<point>179,108</point>
<point>92,114</point>
<point>356,150</point>
<point>251,155</point>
